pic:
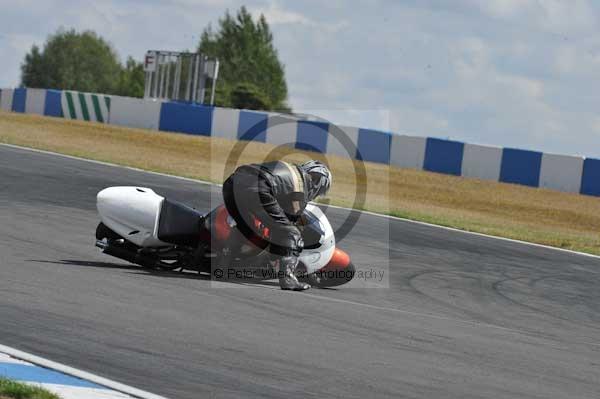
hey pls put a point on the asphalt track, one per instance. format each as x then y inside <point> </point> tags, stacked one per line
<point>464,316</point>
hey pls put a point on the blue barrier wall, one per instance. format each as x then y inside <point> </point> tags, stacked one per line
<point>312,136</point>
<point>252,126</point>
<point>186,118</point>
<point>435,155</point>
<point>373,146</point>
<point>19,98</point>
<point>53,107</point>
<point>590,179</point>
<point>443,156</point>
<point>520,167</point>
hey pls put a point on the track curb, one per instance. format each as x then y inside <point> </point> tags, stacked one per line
<point>84,375</point>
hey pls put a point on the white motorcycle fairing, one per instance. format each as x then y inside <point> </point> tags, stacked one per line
<point>133,213</point>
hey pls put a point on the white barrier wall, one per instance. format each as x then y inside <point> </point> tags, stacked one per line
<point>6,99</point>
<point>481,162</point>
<point>135,112</point>
<point>281,130</point>
<point>408,151</point>
<point>35,101</point>
<point>85,106</point>
<point>561,172</point>
<point>225,123</point>
<point>335,147</point>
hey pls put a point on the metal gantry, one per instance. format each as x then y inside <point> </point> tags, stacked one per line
<point>180,76</point>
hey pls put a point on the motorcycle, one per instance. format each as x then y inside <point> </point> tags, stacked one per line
<point>147,229</point>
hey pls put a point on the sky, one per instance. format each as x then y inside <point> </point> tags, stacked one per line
<point>513,73</point>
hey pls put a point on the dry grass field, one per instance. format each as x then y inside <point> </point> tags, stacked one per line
<point>543,216</point>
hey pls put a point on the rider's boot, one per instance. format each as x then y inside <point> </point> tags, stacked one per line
<point>287,278</point>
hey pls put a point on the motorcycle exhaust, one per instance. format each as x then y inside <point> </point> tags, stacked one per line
<point>125,254</point>
<point>101,244</point>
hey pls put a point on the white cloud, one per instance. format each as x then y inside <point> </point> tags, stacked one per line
<point>521,73</point>
<point>276,15</point>
<point>564,16</point>
<point>557,16</point>
<point>503,8</point>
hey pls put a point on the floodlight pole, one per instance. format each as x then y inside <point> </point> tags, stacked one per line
<point>168,79</point>
<point>176,92</point>
<point>195,84</point>
<point>214,82</point>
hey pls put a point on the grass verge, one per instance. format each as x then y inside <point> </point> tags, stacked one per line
<point>10,389</point>
<point>564,220</point>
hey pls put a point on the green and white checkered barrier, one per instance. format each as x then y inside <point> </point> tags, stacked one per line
<point>85,106</point>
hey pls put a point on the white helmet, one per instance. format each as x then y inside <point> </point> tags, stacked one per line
<point>320,176</point>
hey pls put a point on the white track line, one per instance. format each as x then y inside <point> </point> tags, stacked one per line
<point>332,206</point>
<point>49,364</point>
<point>533,244</point>
<point>18,147</point>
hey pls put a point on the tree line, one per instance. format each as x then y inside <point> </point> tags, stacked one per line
<point>251,75</point>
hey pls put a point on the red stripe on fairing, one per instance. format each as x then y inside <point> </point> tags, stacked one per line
<point>222,228</point>
<point>339,260</point>
<point>260,229</point>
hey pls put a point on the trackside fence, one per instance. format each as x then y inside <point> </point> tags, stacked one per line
<point>509,165</point>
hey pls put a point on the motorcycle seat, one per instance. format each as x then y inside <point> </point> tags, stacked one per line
<point>179,224</point>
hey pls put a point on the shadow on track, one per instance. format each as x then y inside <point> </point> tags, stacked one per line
<point>183,274</point>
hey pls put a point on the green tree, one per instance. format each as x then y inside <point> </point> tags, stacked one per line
<point>32,69</point>
<point>247,96</point>
<point>131,79</point>
<point>81,61</point>
<point>249,64</point>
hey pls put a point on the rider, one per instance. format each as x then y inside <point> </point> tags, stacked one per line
<point>275,194</point>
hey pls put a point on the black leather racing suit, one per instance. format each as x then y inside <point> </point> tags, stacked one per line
<point>276,193</point>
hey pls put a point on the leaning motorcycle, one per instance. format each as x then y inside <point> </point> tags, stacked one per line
<point>147,229</point>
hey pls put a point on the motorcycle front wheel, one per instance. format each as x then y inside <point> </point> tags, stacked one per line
<point>331,278</point>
